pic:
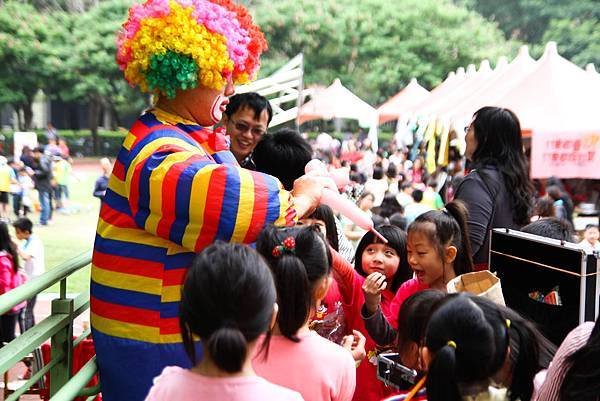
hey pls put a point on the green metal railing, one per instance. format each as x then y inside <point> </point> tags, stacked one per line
<point>58,327</point>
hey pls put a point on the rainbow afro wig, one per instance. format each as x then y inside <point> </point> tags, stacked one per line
<point>167,45</point>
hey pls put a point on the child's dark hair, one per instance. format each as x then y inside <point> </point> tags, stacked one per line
<point>24,224</point>
<point>389,206</point>
<point>461,341</point>
<point>414,314</point>
<point>582,380</point>
<point>530,350</point>
<point>450,228</point>
<point>227,301</point>
<point>397,241</point>
<point>325,214</point>
<point>551,227</point>
<point>284,155</point>
<point>295,272</point>
<point>8,245</point>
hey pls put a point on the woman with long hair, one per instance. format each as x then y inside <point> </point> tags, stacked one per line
<point>9,267</point>
<point>497,191</point>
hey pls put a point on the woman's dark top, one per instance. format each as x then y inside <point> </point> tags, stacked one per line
<point>488,201</point>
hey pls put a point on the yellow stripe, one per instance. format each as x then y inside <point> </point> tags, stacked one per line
<point>129,140</point>
<point>245,206</point>
<point>125,281</point>
<point>151,147</point>
<point>171,293</point>
<point>126,330</point>
<point>136,235</point>
<point>117,186</point>
<point>156,188</point>
<point>284,205</point>
<point>198,195</point>
<point>132,331</point>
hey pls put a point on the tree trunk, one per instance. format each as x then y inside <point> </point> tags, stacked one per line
<point>19,121</point>
<point>28,114</point>
<point>94,114</point>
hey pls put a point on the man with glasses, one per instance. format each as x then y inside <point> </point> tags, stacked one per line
<point>246,119</point>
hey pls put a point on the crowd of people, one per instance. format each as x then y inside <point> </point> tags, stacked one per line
<point>218,272</point>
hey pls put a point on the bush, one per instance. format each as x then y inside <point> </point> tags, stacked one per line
<point>80,142</point>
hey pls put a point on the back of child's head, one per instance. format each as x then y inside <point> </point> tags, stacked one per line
<point>398,220</point>
<point>284,155</point>
<point>298,257</point>
<point>397,241</point>
<point>461,344</point>
<point>413,316</point>
<point>551,227</point>
<point>228,301</point>
<point>325,214</point>
<point>529,352</point>
<point>448,227</point>
<point>23,224</point>
<point>389,206</point>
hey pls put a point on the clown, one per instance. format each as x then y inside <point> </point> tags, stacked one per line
<point>175,187</point>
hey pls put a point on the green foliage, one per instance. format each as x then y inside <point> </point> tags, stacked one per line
<point>578,41</point>
<point>376,47</point>
<point>23,34</point>
<point>573,24</point>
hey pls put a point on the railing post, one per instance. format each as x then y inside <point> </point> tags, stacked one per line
<point>62,344</point>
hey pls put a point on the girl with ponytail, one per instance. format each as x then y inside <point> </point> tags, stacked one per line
<point>438,250</point>
<point>228,301</point>
<point>461,352</point>
<point>298,358</point>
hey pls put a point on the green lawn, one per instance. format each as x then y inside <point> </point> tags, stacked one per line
<point>72,234</point>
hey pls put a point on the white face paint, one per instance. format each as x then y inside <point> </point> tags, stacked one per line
<point>218,108</point>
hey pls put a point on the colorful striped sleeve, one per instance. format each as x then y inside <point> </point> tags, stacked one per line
<point>178,192</point>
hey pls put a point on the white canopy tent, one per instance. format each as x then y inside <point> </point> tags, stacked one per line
<point>337,101</point>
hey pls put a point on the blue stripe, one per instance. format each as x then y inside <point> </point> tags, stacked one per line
<point>117,202</point>
<point>225,157</point>
<point>169,310</point>
<point>231,201</point>
<point>129,249</point>
<point>273,204</point>
<point>150,164</point>
<point>167,132</point>
<point>130,298</point>
<point>179,261</point>
<point>127,367</point>
<point>183,194</point>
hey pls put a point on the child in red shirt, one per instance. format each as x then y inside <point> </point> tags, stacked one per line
<point>372,257</point>
<point>438,250</point>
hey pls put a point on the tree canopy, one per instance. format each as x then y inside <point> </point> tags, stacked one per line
<point>376,47</point>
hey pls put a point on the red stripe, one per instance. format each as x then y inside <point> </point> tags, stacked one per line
<point>259,212</point>
<point>170,326</point>
<point>127,265</point>
<point>115,218</point>
<point>169,189</point>
<point>174,276</point>
<point>119,170</point>
<point>125,314</point>
<point>138,130</point>
<point>212,209</point>
<point>148,130</point>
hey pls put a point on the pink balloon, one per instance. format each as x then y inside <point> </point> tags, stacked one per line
<point>340,176</point>
<point>346,207</point>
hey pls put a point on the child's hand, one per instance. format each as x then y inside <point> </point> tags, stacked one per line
<point>372,288</point>
<point>355,343</point>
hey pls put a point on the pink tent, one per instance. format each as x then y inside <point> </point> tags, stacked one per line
<point>408,97</point>
<point>556,95</point>
<point>452,81</point>
<point>473,82</point>
<point>495,87</point>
